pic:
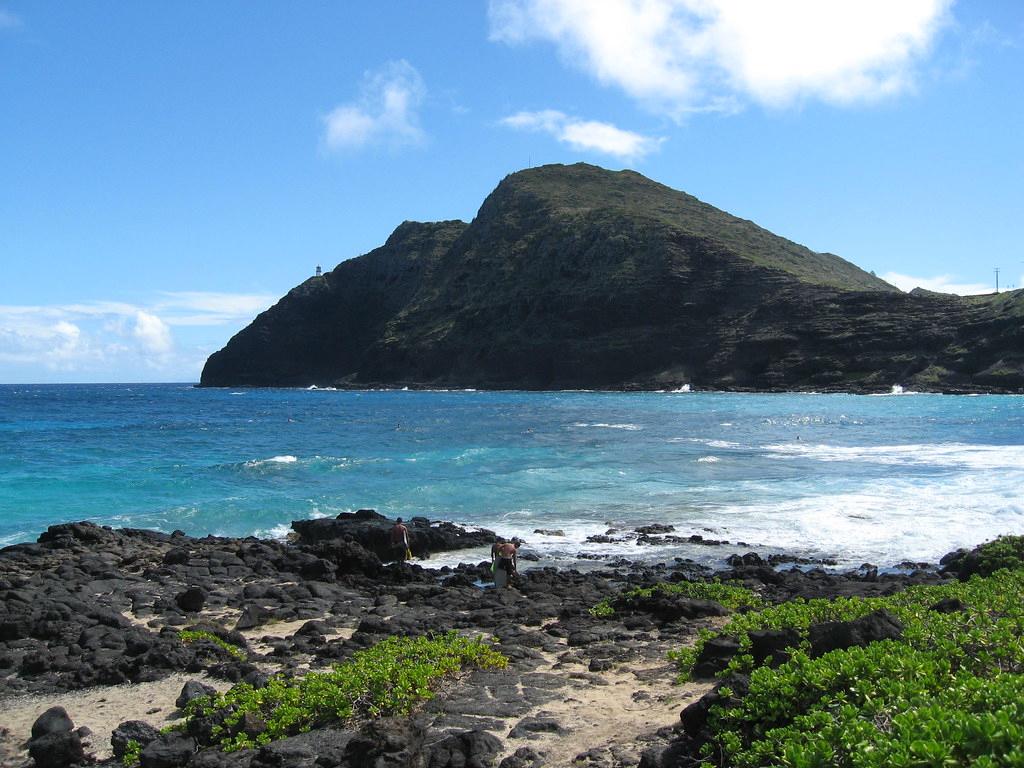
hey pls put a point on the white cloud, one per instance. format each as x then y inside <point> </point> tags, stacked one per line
<point>152,333</point>
<point>211,308</point>
<point>680,56</point>
<point>97,338</point>
<point>385,112</point>
<point>585,135</point>
<point>940,283</point>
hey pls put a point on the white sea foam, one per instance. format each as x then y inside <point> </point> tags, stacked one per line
<point>708,459</point>
<point>601,425</point>
<point>970,456</point>
<point>279,532</point>
<point>882,525</point>
<point>287,459</point>
<point>721,444</point>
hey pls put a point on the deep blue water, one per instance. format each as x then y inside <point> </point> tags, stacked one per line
<point>860,478</point>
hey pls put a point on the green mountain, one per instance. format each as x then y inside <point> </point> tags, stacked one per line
<point>578,277</point>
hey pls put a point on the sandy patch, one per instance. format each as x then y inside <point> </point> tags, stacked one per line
<point>101,709</point>
<point>639,699</point>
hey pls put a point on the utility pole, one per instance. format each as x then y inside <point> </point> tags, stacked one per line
<point>997,279</point>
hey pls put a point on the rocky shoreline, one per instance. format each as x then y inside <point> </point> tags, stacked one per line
<point>91,622</point>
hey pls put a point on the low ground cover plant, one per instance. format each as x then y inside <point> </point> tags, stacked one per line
<point>1003,552</point>
<point>194,635</point>
<point>389,678</point>
<point>728,595</point>
<point>950,692</point>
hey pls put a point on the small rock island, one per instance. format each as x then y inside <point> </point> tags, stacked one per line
<point>577,277</point>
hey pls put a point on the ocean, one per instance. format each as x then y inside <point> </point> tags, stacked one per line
<point>857,479</point>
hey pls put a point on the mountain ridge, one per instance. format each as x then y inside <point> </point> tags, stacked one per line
<point>578,277</point>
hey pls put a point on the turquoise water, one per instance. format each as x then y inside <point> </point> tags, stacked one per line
<point>859,478</point>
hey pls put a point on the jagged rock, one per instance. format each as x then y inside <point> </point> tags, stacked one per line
<point>530,727</point>
<point>58,749</point>
<point>715,656</point>
<point>655,528</point>
<point>53,720</point>
<point>772,643</point>
<point>192,690</point>
<point>836,635</point>
<point>524,757</point>
<point>386,743</point>
<point>253,616</point>
<point>131,730</point>
<point>472,749</point>
<point>372,531</point>
<point>948,605</point>
<point>695,716</point>
<point>168,751</point>
<point>670,607</point>
<point>191,600</point>
<point>322,748</point>
<point>749,559</point>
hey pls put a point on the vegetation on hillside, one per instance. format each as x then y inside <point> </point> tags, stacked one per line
<point>580,189</point>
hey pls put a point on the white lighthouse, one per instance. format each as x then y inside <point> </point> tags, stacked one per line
<point>319,272</point>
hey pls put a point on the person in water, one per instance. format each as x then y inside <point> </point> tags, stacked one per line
<point>400,542</point>
<point>503,556</point>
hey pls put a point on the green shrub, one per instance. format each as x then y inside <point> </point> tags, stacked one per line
<point>388,678</point>
<point>132,750</point>
<point>193,635</point>
<point>729,595</point>
<point>951,692</point>
<point>1003,552</point>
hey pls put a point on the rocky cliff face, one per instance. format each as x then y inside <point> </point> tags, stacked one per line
<point>577,277</point>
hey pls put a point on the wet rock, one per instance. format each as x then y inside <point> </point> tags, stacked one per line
<point>749,559</point>
<point>656,528</point>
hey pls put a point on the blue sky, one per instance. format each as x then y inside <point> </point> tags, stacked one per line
<point>169,170</point>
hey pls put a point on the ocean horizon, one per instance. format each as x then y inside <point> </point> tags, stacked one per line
<point>846,478</point>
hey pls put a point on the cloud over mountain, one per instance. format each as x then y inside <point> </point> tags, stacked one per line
<point>681,56</point>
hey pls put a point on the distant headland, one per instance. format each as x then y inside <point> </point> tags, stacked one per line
<point>578,277</point>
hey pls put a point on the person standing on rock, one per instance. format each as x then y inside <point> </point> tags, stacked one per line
<point>400,542</point>
<point>503,557</point>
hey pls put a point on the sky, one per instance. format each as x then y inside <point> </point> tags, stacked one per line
<point>169,170</point>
